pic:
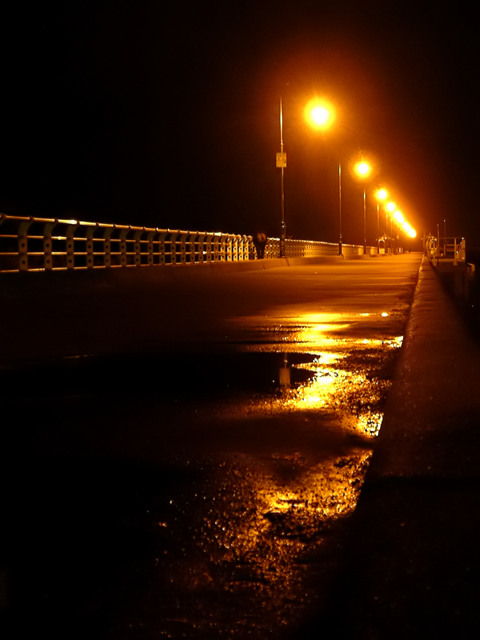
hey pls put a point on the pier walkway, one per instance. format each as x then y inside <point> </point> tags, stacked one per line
<point>411,566</point>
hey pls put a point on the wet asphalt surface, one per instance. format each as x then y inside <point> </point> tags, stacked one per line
<point>200,492</point>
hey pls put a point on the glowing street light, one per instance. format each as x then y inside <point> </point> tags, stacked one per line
<point>381,195</point>
<point>320,114</point>
<point>390,207</point>
<point>409,230</point>
<point>363,170</point>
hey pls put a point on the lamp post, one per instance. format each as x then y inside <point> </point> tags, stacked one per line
<point>363,169</point>
<point>281,162</point>
<point>380,195</point>
<point>340,248</point>
<point>390,208</point>
<point>320,114</point>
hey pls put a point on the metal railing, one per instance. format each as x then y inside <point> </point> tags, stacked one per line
<point>47,244</point>
<point>451,250</point>
<point>313,249</point>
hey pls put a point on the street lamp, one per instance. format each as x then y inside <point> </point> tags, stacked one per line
<point>390,208</point>
<point>363,170</point>
<point>381,195</point>
<point>281,163</point>
<point>409,230</point>
<point>321,114</point>
<point>399,217</point>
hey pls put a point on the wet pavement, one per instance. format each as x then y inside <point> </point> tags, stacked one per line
<point>204,487</point>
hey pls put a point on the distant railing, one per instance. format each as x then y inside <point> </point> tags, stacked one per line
<point>314,249</point>
<point>450,250</point>
<point>44,244</point>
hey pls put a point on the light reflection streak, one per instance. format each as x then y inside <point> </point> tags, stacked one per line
<point>356,392</point>
<point>335,384</point>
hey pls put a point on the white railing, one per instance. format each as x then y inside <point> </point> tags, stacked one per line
<point>47,244</point>
<point>31,244</point>
<point>313,249</point>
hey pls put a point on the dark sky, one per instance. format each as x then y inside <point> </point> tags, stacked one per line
<point>168,116</point>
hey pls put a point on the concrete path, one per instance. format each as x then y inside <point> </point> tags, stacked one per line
<point>141,309</point>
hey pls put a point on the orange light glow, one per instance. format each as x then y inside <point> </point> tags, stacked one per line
<point>363,169</point>
<point>398,215</point>
<point>391,206</point>
<point>381,194</point>
<point>319,113</point>
<point>409,230</point>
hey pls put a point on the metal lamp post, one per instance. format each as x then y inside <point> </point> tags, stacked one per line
<point>363,170</point>
<point>380,195</point>
<point>281,162</point>
<point>320,114</point>
<point>340,247</point>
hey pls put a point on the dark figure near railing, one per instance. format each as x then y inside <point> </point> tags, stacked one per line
<point>260,241</point>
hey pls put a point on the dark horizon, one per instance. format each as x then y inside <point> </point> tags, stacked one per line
<point>135,115</point>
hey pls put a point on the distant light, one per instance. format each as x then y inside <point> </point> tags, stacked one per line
<point>409,230</point>
<point>391,206</point>
<point>398,215</point>
<point>319,113</point>
<point>362,168</point>
<point>381,194</point>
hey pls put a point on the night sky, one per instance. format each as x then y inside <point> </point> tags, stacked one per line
<point>152,114</point>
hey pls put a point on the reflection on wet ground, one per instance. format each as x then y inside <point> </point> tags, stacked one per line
<point>257,462</point>
<point>348,370</point>
<point>269,518</point>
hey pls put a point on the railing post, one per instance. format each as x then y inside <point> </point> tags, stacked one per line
<point>201,247</point>
<point>216,250</point>
<point>173,247</point>
<point>89,246</point>
<point>223,252</point>
<point>191,241</point>
<point>107,246</point>
<point>210,247</point>
<point>228,244</point>
<point>183,247</point>
<point>47,244</point>
<point>161,246</point>
<point>137,247</point>
<point>123,246</point>
<point>149,238</point>
<point>235,247</point>
<point>70,244</point>
<point>23,244</point>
